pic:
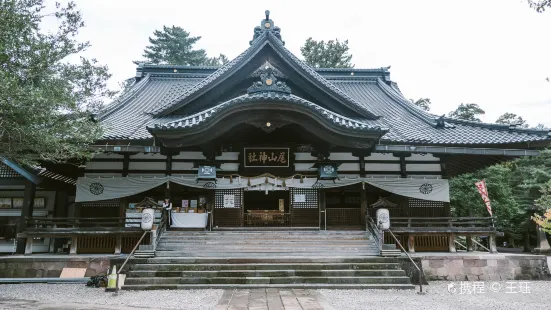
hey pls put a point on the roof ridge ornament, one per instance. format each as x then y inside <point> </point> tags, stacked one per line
<point>268,83</point>
<point>266,25</point>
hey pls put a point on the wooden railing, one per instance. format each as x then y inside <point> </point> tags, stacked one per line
<point>422,230</point>
<point>91,234</point>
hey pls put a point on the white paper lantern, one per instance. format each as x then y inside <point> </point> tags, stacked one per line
<point>148,216</point>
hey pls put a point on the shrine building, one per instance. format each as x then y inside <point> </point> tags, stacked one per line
<point>263,142</point>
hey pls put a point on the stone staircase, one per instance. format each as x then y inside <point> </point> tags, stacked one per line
<point>253,259</point>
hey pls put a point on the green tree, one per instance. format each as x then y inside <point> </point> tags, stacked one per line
<point>330,54</point>
<point>468,112</point>
<point>512,119</point>
<point>544,203</point>
<point>540,5</point>
<point>217,61</point>
<point>46,103</point>
<point>422,103</point>
<point>174,46</point>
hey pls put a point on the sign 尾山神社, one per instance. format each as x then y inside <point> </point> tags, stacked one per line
<point>266,157</point>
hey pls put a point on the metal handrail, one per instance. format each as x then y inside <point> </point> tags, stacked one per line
<point>126,260</point>
<point>414,264</point>
<point>372,227</point>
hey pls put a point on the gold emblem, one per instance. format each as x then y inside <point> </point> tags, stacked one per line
<point>269,82</point>
<point>267,25</point>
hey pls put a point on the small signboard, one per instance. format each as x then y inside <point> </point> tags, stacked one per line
<point>266,157</point>
<point>206,172</point>
<point>229,201</point>
<point>299,198</point>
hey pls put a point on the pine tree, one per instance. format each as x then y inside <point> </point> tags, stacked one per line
<point>333,54</point>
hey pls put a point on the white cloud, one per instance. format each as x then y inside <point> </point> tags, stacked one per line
<point>493,52</point>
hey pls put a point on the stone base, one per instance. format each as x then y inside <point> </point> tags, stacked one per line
<point>485,267</point>
<point>542,251</point>
<point>50,266</point>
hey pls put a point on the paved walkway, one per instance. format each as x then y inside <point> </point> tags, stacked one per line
<point>272,299</point>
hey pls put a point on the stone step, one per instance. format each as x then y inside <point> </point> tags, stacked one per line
<point>263,266</point>
<point>270,232</point>
<point>352,259</point>
<point>266,273</point>
<point>259,254</point>
<point>280,286</point>
<point>270,280</point>
<point>264,248</point>
<point>273,240</point>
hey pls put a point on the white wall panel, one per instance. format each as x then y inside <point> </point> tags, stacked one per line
<point>342,156</point>
<point>435,176</point>
<point>349,167</point>
<point>146,175</point>
<point>422,167</point>
<point>108,155</point>
<point>182,166</point>
<point>228,156</point>
<point>148,156</point>
<point>229,167</point>
<point>142,165</point>
<point>382,167</point>
<point>189,155</point>
<point>95,165</point>
<point>304,156</point>
<point>381,156</point>
<point>419,157</point>
<point>304,167</point>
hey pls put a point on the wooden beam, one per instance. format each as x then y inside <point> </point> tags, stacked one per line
<point>125,165</point>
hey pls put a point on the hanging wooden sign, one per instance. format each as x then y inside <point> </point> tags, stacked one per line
<point>266,157</point>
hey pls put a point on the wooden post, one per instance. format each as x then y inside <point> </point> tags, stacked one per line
<point>469,243</point>
<point>492,243</point>
<point>118,245</point>
<point>74,245</point>
<point>26,212</point>
<point>363,205</point>
<point>451,239</point>
<point>411,244</point>
<point>29,246</point>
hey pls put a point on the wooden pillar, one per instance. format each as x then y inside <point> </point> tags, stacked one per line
<point>74,245</point>
<point>411,244</point>
<point>492,243</point>
<point>469,243</point>
<point>363,201</point>
<point>26,211</point>
<point>403,170</point>
<point>125,164</point>
<point>322,210</point>
<point>118,245</point>
<point>451,239</point>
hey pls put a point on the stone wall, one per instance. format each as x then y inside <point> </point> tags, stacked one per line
<point>485,267</point>
<point>51,266</point>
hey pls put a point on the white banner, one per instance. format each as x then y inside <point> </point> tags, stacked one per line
<point>94,189</point>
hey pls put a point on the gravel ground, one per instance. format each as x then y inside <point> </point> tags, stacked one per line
<point>505,296</point>
<point>79,293</point>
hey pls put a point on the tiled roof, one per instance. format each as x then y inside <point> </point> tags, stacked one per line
<point>177,96</point>
<point>130,116</point>
<point>265,97</point>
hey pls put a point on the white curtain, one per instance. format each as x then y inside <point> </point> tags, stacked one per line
<point>94,189</point>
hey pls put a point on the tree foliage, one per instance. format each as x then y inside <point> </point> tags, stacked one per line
<point>45,101</point>
<point>422,103</point>
<point>468,112</point>
<point>330,54</point>
<point>540,5</point>
<point>544,202</point>
<point>515,189</point>
<point>174,46</point>
<point>512,119</point>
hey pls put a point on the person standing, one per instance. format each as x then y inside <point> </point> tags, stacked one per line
<point>167,209</point>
